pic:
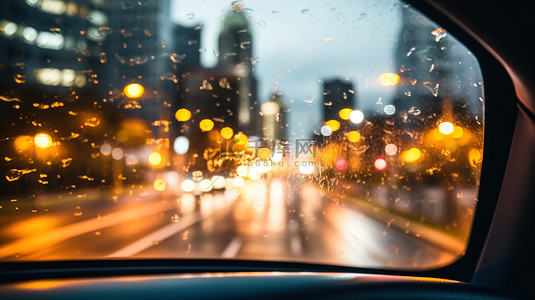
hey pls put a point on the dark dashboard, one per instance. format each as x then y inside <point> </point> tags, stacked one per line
<point>249,285</point>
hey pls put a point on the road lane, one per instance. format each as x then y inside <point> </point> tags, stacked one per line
<point>268,220</point>
<point>34,242</point>
<point>207,238</point>
<point>232,248</point>
<point>206,212</point>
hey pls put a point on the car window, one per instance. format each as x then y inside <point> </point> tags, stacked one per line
<point>337,132</point>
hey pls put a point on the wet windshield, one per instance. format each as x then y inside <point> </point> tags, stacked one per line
<point>338,132</point>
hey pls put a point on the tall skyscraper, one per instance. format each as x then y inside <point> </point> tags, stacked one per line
<point>144,46</point>
<point>49,56</point>
<point>235,54</point>
<point>136,42</point>
<point>440,78</point>
<point>185,47</point>
<point>225,94</point>
<point>235,39</point>
<point>48,46</point>
<point>423,57</point>
<point>440,84</point>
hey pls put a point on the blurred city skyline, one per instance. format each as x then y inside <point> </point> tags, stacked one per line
<point>290,45</point>
<point>288,129</point>
<point>295,48</point>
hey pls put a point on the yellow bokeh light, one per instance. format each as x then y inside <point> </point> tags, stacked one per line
<point>411,155</point>
<point>264,153</point>
<point>457,132</point>
<point>159,185</point>
<point>122,136</point>
<point>335,125</point>
<point>155,158</point>
<point>435,135</point>
<point>241,139</point>
<point>446,128</point>
<point>206,125</point>
<point>23,142</point>
<point>226,133</point>
<point>182,115</point>
<point>344,113</point>
<point>134,90</point>
<point>353,136</point>
<point>42,140</point>
<point>389,79</point>
<point>475,156</point>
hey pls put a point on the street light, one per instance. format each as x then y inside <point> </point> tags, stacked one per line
<point>344,113</point>
<point>335,125</point>
<point>159,185</point>
<point>134,90</point>
<point>182,115</point>
<point>389,79</point>
<point>241,139</point>
<point>42,140</point>
<point>226,133</point>
<point>446,128</point>
<point>411,155</point>
<point>206,125</point>
<point>155,158</point>
<point>353,136</point>
<point>356,116</point>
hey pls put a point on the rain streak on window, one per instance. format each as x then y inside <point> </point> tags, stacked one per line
<point>345,133</point>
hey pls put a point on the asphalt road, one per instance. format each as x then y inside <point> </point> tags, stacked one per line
<point>263,221</point>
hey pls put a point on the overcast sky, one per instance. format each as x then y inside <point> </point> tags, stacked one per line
<point>299,43</point>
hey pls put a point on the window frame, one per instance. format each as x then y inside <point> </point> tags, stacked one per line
<point>500,111</point>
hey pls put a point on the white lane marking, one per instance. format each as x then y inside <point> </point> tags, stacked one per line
<point>295,241</point>
<point>295,245</point>
<point>165,232</point>
<point>158,235</point>
<point>233,248</point>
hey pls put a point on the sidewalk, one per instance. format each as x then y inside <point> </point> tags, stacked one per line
<point>416,229</point>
